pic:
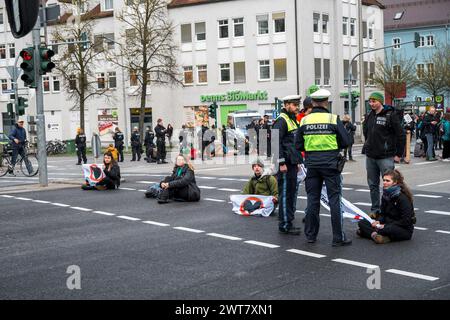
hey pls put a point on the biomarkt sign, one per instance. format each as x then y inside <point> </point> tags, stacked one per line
<point>236,96</point>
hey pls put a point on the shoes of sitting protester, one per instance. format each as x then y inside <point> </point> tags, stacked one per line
<point>342,243</point>
<point>163,201</point>
<point>379,239</point>
<point>292,231</point>
<point>101,188</point>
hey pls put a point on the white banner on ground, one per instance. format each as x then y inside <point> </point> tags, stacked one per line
<point>263,205</point>
<point>93,173</point>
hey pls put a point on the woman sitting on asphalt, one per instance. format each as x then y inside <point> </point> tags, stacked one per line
<point>181,185</point>
<point>112,175</point>
<point>396,220</point>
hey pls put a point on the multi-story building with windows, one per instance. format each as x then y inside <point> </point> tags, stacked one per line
<point>241,54</point>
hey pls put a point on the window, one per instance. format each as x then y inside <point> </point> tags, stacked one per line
<point>72,82</point>
<point>346,74</point>
<point>70,45</point>
<point>188,75</point>
<point>12,50</point>
<point>354,72</point>
<point>316,18</point>
<point>112,80</point>
<point>430,69</point>
<point>326,72</point>
<point>345,26</point>
<point>371,72</point>
<point>223,29</point>
<point>225,72</point>
<point>109,39</point>
<point>54,48</point>
<point>4,85</point>
<point>200,31</point>
<point>371,31</point>
<point>46,83</point>
<point>325,23</point>
<point>238,27</point>
<point>279,22</point>
<point>396,42</point>
<point>186,33</point>
<point>264,70</point>
<point>98,43</point>
<point>202,74</point>
<point>239,72</point>
<point>109,4</point>
<point>422,41</point>
<point>263,24</point>
<point>364,29</point>
<point>56,84</point>
<point>430,41</point>
<point>1,17</point>
<point>397,74</point>
<point>317,71</point>
<point>280,70</point>
<point>398,15</point>
<point>133,78</point>
<point>2,51</point>
<point>352,27</point>
<point>420,70</point>
<point>101,80</point>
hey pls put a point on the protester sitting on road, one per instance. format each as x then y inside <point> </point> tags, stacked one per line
<point>261,184</point>
<point>396,219</point>
<point>112,175</point>
<point>114,152</point>
<point>181,185</point>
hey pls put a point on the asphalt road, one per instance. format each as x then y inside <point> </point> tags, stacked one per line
<point>129,247</point>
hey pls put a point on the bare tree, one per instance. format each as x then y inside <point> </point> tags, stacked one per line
<point>76,61</point>
<point>149,54</point>
<point>435,78</point>
<point>394,73</point>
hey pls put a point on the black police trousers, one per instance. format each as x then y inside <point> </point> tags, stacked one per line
<point>161,149</point>
<point>120,152</point>
<point>287,184</point>
<point>315,178</point>
<point>81,153</point>
<point>136,151</point>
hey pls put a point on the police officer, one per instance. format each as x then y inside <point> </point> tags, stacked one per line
<point>149,144</point>
<point>118,142</point>
<point>322,136</point>
<point>136,144</point>
<point>80,143</point>
<point>288,161</point>
<point>161,133</point>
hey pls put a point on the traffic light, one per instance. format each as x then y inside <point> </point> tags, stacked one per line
<point>45,60</point>
<point>416,40</point>
<point>213,110</point>
<point>21,105</point>
<point>355,100</point>
<point>27,66</point>
<point>10,108</point>
<point>278,104</point>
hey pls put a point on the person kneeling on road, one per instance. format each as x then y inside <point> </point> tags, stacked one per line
<point>181,185</point>
<point>112,175</point>
<point>396,219</point>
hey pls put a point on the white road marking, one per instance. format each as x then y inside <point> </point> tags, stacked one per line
<point>306,253</point>
<point>142,190</point>
<point>262,244</point>
<point>129,189</point>
<point>442,231</point>
<point>345,173</point>
<point>157,223</point>
<point>325,215</point>
<point>41,201</point>
<point>212,169</point>
<point>228,179</point>
<point>419,228</point>
<point>128,218</point>
<point>60,204</point>
<point>362,190</point>
<point>356,263</point>
<point>207,187</point>
<point>422,163</point>
<point>427,196</point>
<point>300,211</point>
<point>215,200</point>
<point>445,213</point>
<point>229,190</point>
<point>364,204</point>
<point>208,178</point>
<point>146,182</point>
<point>189,229</point>
<point>433,183</point>
<point>81,209</point>
<point>24,199</point>
<point>223,236</point>
<point>104,213</point>
<point>302,197</point>
<point>7,196</point>
<point>412,274</point>
<point>347,189</point>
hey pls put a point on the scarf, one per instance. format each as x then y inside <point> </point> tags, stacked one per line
<point>391,192</point>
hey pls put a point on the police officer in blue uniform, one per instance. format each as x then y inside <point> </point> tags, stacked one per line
<point>322,136</point>
<point>288,162</point>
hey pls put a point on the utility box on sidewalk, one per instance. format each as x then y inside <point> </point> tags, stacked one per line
<point>70,146</point>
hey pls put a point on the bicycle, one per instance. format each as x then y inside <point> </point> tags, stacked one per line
<point>28,165</point>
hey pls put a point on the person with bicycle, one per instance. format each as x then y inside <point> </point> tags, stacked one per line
<point>18,137</point>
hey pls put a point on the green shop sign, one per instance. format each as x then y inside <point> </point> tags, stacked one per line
<point>235,96</point>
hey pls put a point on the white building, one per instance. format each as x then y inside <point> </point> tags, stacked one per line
<point>240,53</point>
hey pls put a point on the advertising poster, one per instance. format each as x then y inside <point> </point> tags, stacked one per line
<point>108,120</point>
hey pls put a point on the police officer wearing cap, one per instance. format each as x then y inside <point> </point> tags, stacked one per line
<point>322,136</point>
<point>288,161</point>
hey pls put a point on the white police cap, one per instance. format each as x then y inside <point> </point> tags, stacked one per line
<point>292,98</point>
<point>320,95</point>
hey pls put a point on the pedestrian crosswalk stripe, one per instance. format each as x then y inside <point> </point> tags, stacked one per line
<point>362,190</point>
<point>223,236</point>
<point>215,200</point>
<point>207,187</point>
<point>419,228</point>
<point>412,274</point>
<point>356,263</point>
<point>262,244</point>
<point>306,253</point>
<point>229,190</point>
<point>129,189</point>
<point>445,213</point>
<point>427,196</point>
<point>442,231</point>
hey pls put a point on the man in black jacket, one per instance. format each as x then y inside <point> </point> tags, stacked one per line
<point>429,130</point>
<point>118,142</point>
<point>385,141</point>
<point>136,144</point>
<point>161,133</point>
<point>149,144</point>
<point>80,143</point>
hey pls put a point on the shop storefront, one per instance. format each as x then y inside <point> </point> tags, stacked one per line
<point>134,117</point>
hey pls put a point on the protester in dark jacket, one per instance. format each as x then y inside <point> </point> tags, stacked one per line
<point>181,185</point>
<point>396,219</point>
<point>112,175</point>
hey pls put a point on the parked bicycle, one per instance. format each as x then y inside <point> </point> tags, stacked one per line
<point>28,164</point>
<point>56,147</point>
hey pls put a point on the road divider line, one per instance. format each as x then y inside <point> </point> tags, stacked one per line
<point>229,190</point>
<point>60,204</point>
<point>427,196</point>
<point>346,188</point>
<point>128,218</point>
<point>23,199</point>
<point>443,231</point>
<point>7,196</point>
<point>445,213</point>
<point>129,189</point>
<point>302,197</point>
<point>159,224</point>
<point>356,263</point>
<point>364,204</point>
<point>189,229</point>
<point>215,200</point>
<point>306,253</point>
<point>325,215</point>
<point>419,228</point>
<point>142,190</point>
<point>41,201</point>
<point>433,183</point>
<point>145,182</point>
<point>104,213</point>
<point>81,209</point>
<point>223,236</point>
<point>300,211</point>
<point>207,187</point>
<point>412,275</point>
<point>262,244</point>
<point>362,190</point>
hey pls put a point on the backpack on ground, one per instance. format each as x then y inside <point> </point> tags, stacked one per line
<point>419,149</point>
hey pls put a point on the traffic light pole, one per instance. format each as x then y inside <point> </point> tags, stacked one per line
<point>40,118</point>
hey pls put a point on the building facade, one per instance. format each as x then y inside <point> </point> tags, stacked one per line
<point>241,54</point>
